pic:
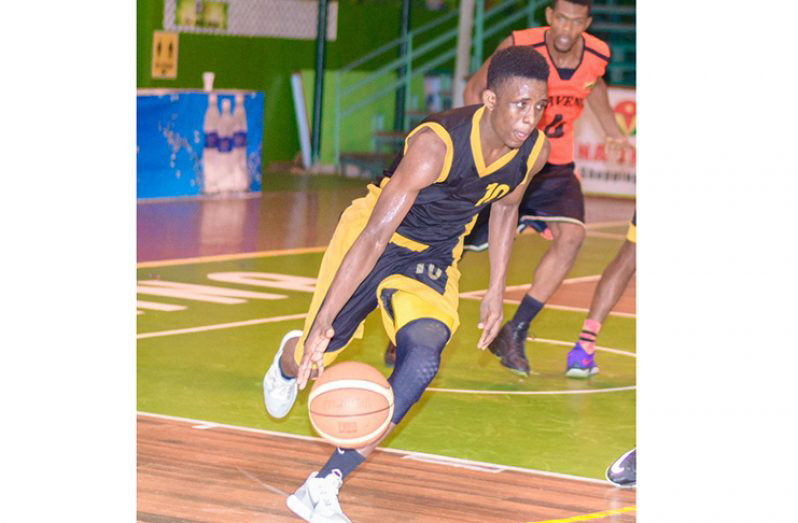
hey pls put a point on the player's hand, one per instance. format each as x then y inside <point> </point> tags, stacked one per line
<point>491,314</point>
<point>313,355</point>
<point>615,149</point>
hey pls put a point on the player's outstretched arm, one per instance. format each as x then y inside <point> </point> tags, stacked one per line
<point>479,81</point>
<point>599,102</point>
<point>502,225</point>
<point>419,168</point>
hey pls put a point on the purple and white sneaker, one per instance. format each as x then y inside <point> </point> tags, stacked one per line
<point>580,364</point>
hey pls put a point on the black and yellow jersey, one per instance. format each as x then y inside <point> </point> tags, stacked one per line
<point>444,211</point>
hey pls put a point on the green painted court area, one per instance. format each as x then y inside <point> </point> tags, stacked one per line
<point>215,375</point>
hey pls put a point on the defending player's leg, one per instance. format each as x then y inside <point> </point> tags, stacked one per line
<point>555,264</point>
<point>580,362</point>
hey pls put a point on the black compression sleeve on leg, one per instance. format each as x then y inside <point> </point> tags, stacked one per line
<point>419,345</point>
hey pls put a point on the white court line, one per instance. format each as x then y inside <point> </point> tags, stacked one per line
<point>204,426</point>
<point>217,326</point>
<point>262,484</point>
<point>574,309</point>
<point>603,225</point>
<point>450,463</point>
<point>477,294</point>
<point>228,257</point>
<point>533,392</point>
<point>570,343</point>
<point>390,451</point>
<point>607,235</point>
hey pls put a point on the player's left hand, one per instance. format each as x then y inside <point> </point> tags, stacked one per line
<point>491,314</point>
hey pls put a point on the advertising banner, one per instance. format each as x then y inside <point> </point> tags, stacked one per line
<point>295,19</point>
<point>186,146</point>
<point>599,175</point>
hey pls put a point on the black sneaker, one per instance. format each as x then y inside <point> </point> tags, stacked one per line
<point>509,347</point>
<point>390,355</point>
<point>623,472</point>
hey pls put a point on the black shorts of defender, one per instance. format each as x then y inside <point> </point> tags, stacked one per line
<point>427,268</point>
<point>554,194</point>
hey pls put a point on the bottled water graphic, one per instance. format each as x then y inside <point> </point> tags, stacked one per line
<point>240,176</point>
<point>225,153</point>
<point>211,164</point>
<point>226,130</point>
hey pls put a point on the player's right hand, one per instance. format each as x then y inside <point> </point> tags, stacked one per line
<point>313,354</point>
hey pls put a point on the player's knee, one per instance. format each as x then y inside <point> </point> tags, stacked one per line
<point>570,237</point>
<point>419,345</point>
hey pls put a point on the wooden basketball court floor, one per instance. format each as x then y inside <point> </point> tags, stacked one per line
<point>205,470</point>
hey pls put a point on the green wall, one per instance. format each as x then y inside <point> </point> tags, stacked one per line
<point>357,128</point>
<point>265,64</point>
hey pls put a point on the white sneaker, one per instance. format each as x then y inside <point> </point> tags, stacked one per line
<point>279,394</point>
<point>316,500</point>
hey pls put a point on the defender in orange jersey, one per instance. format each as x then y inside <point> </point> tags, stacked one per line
<point>553,203</point>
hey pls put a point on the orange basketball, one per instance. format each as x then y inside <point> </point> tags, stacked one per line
<point>350,405</point>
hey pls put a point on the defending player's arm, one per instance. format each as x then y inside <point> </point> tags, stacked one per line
<point>599,102</point>
<point>419,168</point>
<point>479,81</point>
<point>502,225</point>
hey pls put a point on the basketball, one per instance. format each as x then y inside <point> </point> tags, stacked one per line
<point>350,405</point>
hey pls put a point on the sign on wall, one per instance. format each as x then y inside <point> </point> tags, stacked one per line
<point>211,14</point>
<point>598,173</point>
<point>164,55</point>
<point>188,146</point>
<point>295,19</point>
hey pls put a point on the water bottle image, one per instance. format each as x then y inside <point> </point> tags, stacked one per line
<point>210,151</point>
<point>241,174</point>
<point>226,167</point>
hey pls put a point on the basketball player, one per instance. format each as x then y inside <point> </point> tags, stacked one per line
<point>397,248</point>
<point>553,203</point>
<point>580,361</point>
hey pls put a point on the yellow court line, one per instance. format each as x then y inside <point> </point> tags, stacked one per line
<point>588,517</point>
<point>225,257</point>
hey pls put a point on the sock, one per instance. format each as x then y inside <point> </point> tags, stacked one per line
<point>587,338</point>
<point>526,311</point>
<point>344,460</point>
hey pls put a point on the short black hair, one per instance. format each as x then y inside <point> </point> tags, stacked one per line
<point>518,60</point>
<point>588,3</point>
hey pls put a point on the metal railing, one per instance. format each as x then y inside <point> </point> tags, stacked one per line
<point>350,98</point>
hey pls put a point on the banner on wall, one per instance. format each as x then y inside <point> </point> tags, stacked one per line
<point>210,14</point>
<point>598,175</point>
<point>188,146</point>
<point>295,19</point>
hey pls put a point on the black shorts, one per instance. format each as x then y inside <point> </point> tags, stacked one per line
<point>429,271</point>
<point>553,195</point>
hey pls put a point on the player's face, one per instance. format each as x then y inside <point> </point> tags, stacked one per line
<point>516,108</point>
<point>568,21</point>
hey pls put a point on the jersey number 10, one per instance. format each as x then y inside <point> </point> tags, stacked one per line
<point>493,191</point>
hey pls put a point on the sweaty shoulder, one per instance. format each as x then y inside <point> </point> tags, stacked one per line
<point>431,144</point>
<point>532,36</point>
<point>596,47</point>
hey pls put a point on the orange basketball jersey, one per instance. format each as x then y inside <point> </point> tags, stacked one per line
<point>567,89</point>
